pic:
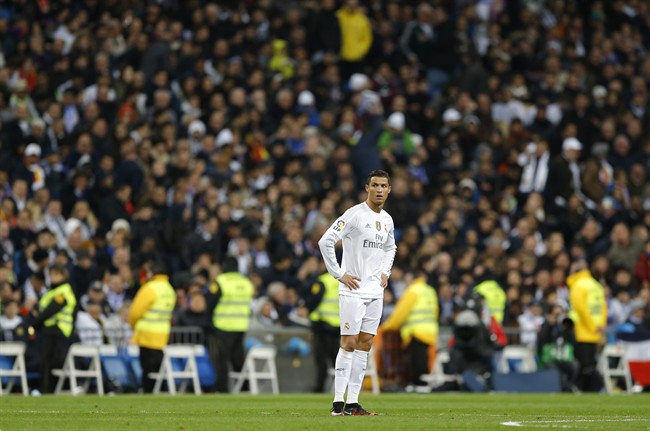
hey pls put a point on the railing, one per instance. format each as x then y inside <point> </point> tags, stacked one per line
<point>122,336</point>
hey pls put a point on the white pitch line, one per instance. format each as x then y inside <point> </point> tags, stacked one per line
<point>565,421</point>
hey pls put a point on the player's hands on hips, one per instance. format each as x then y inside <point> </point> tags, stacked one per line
<point>351,281</point>
<point>384,281</point>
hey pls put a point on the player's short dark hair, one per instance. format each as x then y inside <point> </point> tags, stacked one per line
<point>377,173</point>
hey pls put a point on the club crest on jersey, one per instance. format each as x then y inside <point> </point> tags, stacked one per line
<point>347,325</point>
<point>378,225</point>
<point>340,224</point>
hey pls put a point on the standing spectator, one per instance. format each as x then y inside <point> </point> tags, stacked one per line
<point>150,317</point>
<point>230,301</point>
<point>589,315</point>
<point>563,180</point>
<point>356,38</point>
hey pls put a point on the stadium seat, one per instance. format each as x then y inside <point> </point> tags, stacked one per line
<point>517,359</point>
<point>613,366</point>
<point>207,376</point>
<point>437,376</point>
<point>115,366</point>
<point>184,354</point>
<point>72,373</point>
<point>12,366</point>
<point>132,357</point>
<point>265,355</point>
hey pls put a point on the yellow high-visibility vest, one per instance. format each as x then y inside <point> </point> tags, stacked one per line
<point>64,318</point>
<point>158,318</point>
<point>423,317</point>
<point>587,294</point>
<point>233,312</point>
<point>328,309</point>
<point>495,298</point>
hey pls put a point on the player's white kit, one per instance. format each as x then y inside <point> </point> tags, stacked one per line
<point>368,252</point>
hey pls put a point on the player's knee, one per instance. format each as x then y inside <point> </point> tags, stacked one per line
<point>349,344</point>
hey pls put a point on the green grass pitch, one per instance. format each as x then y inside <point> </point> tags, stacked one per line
<point>453,411</point>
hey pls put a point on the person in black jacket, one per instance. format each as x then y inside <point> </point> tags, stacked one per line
<point>563,180</point>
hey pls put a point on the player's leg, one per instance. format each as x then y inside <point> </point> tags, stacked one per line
<point>369,326</point>
<point>351,310</point>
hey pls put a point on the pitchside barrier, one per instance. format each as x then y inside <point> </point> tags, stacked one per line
<point>295,362</point>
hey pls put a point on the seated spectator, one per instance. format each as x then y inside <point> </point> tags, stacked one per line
<point>90,324</point>
<point>9,320</point>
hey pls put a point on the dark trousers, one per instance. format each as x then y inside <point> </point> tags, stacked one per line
<point>326,346</point>
<point>419,360</point>
<point>54,349</point>
<point>589,380</point>
<point>150,360</point>
<point>226,350</point>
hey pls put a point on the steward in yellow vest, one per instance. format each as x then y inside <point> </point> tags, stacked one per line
<point>323,302</point>
<point>55,323</point>
<point>416,317</point>
<point>150,316</point>
<point>495,298</point>
<point>589,315</point>
<point>230,299</point>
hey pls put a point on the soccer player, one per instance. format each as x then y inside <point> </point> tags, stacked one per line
<point>367,233</point>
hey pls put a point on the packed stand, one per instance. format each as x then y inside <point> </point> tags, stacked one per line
<point>187,131</point>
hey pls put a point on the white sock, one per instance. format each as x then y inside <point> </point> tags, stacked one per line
<point>359,364</point>
<point>342,376</point>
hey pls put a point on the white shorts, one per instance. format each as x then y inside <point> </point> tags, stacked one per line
<point>359,314</point>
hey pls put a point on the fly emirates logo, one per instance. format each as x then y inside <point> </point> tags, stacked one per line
<point>377,243</point>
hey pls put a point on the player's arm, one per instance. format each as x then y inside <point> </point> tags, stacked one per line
<point>390,248</point>
<point>340,228</point>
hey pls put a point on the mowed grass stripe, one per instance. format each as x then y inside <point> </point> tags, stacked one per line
<point>311,412</point>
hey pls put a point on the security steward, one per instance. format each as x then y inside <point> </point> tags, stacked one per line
<point>54,322</point>
<point>150,316</point>
<point>230,299</point>
<point>323,303</point>
<point>589,315</point>
<point>495,298</point>
<point>416,317</point>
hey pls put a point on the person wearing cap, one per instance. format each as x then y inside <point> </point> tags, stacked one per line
<point>563,179</point>
<point>306,105</point>
<point>54,321</point>
<point>150,316</point>
<point>29,169</point>
<point>396,141</point>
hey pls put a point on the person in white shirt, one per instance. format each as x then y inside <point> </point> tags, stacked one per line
<point>367,234</point>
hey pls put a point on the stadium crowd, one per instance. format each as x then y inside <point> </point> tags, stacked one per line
<point>516,134</point>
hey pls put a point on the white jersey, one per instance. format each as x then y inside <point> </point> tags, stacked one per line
<point>368,249</point>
